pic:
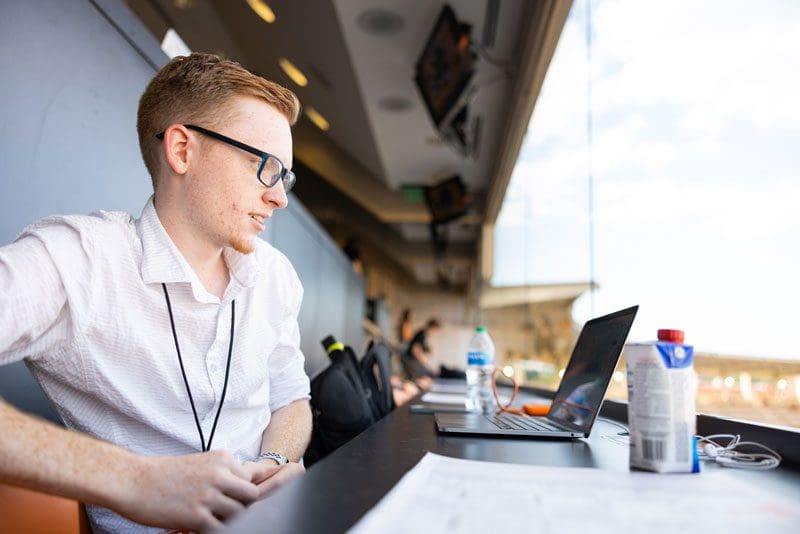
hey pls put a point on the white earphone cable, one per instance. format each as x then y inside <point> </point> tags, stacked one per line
<point>727,455</point>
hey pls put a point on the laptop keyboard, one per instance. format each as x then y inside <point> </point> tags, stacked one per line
<point>521,422</point>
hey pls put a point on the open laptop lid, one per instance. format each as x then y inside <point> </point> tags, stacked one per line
<point>580,394</point>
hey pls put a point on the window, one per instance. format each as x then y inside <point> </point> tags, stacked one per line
<point>695,124</point>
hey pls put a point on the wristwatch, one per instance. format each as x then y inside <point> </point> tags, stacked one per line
<point>269,455</point>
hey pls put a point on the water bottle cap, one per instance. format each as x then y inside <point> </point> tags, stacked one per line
<point>480,329</point>
<point>673,336</point>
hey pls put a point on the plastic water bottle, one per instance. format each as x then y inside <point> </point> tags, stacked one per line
<point>480,364</point>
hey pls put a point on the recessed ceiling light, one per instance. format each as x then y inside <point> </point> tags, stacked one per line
<point>382,22</point>
<point>262,10</point>
<point>394,104</point>
<point>318,120</point>
<point>183,4</point>
<point>293,72</point>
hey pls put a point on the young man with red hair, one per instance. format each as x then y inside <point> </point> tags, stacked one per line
<point>169,344</point>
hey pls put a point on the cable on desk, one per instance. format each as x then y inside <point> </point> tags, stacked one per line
<point>727,455</point>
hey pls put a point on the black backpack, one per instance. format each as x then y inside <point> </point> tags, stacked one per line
<point>376,376</point>
<point>348,396</point>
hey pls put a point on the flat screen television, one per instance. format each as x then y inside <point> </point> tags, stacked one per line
<point>445,66</point>
<point>448,200</point>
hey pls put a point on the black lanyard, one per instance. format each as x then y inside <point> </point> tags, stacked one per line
<point>203,445</point>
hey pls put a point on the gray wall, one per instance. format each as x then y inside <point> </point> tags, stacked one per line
<point>73,71</point>
<point>334,294</point>
<point>70,87</point>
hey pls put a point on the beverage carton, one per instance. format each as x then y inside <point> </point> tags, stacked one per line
<point>661,404</point>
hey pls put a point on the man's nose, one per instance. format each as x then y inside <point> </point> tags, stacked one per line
<point>276,196</point>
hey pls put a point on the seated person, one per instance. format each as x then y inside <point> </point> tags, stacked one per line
<point>404,331</point>
<point>416,359</point>
<point>169,344</point>
<point>403,390</point>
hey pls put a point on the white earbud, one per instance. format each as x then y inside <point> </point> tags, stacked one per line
<point>728,456</point>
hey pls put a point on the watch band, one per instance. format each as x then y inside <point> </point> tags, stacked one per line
<point>269,455</point>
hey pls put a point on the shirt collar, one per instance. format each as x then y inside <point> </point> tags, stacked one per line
<point>161,259</point>
<point>163,262</point>
<point>244,268</point>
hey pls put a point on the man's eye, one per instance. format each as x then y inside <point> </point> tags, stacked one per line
<point>273,166</point>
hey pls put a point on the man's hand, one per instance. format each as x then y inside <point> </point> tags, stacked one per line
<point>269,476</point>
<point>191,492</point>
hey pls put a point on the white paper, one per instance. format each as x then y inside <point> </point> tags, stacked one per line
<point>453,398</point>
<point>444,398</point>
<point>460,387</point>
<point>449,495</point>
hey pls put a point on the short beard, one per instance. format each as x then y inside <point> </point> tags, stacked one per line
<point>243,245</point>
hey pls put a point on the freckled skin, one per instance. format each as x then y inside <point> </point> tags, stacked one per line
<point>209,197</point>
<point>225,184</point>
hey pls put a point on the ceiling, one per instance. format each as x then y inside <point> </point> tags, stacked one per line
<point>359,57</point>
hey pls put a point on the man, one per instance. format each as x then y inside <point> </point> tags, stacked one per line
<point>173,336</point>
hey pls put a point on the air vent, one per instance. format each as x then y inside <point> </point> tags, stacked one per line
<point>380,22</point>
<point>395,104</point>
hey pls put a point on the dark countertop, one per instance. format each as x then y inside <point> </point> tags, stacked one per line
<point>336,492</point>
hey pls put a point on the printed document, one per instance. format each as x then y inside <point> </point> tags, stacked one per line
<point>448,495</point>
<point>459,399</point>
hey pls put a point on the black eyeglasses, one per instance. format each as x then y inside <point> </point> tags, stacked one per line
<point>275,170</point>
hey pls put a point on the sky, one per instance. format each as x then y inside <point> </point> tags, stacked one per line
<point>695,165</point>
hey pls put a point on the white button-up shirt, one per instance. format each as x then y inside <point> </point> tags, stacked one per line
<point>81,302</point>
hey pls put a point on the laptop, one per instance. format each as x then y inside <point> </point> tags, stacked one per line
<point>580,393</point>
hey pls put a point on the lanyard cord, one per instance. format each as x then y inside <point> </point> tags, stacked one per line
<point>203,445</point>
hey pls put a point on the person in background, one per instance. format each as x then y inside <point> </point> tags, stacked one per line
<point>405,332</point>
<point>416,359</point>
<point>403,390</point>
<point>169,344</point>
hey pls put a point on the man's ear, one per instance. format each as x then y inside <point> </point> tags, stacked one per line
<point>176,148</point>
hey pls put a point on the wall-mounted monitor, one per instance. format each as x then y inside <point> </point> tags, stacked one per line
<point>448,200</point>
<point>445,66</point>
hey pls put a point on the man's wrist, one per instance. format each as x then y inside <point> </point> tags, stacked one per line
<point>276,457</point>
<point>135,472</point>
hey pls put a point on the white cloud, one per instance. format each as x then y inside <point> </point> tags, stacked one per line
<point>732,58</point>
<point>696,124</point>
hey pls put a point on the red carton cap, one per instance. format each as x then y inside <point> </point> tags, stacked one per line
<point>673,336</point>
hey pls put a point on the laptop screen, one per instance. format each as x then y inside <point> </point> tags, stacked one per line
<point>580,394</point>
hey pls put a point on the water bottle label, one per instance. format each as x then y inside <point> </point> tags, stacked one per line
<point>478,358</point>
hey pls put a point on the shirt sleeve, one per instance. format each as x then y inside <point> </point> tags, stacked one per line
<point>34,315</point>
<point>288,381</point>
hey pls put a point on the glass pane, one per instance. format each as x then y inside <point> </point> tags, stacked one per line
<point>695,127</point>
